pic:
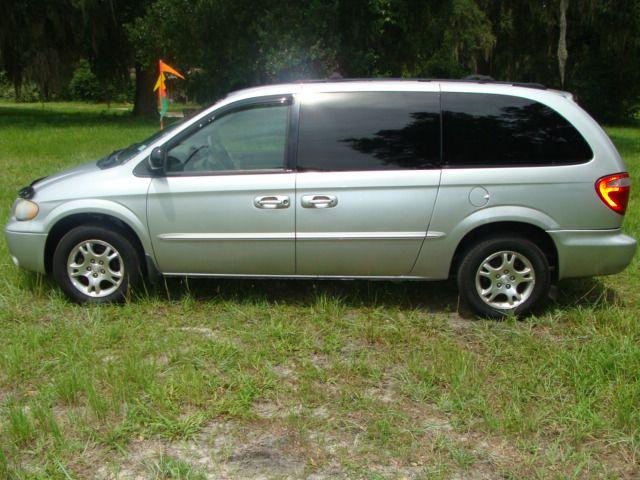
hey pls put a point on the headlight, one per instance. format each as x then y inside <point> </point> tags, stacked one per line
<point>25,209</point>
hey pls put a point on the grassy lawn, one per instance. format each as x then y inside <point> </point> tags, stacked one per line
<point>209,379</point>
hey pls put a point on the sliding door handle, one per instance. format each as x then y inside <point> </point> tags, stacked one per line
<point>272,201</point>
<point>319,201</point>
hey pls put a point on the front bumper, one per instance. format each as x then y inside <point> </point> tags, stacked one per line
<point>27,249</point>
<point>585,253</point>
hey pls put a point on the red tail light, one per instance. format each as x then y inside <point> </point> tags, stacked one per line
<point>613,190</point>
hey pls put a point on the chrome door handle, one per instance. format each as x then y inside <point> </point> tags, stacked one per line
<point>271,201</point>
<point>319,201</point>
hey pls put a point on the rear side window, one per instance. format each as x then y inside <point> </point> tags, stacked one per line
<point>506,131</point>
<point>369,131</point>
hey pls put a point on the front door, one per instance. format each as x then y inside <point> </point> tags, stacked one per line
<point>225,205</point>
<point>368,176</point>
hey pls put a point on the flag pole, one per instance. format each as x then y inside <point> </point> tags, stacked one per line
<point>159,95</point>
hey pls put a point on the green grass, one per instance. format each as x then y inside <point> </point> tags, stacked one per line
<point>240,378</point>
<point>170,468</point>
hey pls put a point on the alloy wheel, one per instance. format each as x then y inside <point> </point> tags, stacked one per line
<point>505,280</point>
<point>95,268</point>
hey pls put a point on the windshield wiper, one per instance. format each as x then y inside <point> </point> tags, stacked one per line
<point>110,160</point>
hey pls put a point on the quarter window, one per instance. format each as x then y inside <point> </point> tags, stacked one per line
<point>369,131</point>
<point>502,131</point>
<point>253,138</point>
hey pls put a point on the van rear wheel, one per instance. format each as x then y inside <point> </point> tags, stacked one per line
<point>505,275</point>
<point>95,265</point>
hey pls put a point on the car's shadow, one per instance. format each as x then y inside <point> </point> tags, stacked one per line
<point>585,292</point>
<point>433,297</point>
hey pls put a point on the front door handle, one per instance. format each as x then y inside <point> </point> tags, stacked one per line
<point>272,201</point>
<point>319,201</point>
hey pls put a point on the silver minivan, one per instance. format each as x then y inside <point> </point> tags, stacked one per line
<point>507,187</point>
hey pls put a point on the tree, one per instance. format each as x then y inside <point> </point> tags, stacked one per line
<point>562,40</point>
<point>581,45</point>
<point>111,49</point>
<point>38,43</point>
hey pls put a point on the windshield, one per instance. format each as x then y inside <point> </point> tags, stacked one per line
<point>134,148</point>
<point>118,157</point>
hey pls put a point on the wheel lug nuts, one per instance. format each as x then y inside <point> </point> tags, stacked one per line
<point>508,286</point>
<point>512,277</point>
<point>93,261</point>
<point>497,275</point>
<point>100,262</point>
<point>506,271</point>
<point>499,285</point>
<point>101,271</point>
<point>95,275</point>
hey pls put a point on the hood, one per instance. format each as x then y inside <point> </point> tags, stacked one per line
<point>66,184</point>
<point>88,167</point>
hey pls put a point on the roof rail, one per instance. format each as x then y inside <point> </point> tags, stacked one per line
<point>471,78</point>
<point>479,78</point>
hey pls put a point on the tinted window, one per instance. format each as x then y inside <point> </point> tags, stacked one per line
<point>501,130</point>
<point>369,131</point>
<point>248,139</point>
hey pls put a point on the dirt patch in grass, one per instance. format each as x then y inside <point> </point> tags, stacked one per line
<point>222,450</point>
<point>266,455</point>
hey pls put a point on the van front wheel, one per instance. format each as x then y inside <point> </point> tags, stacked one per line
<point>506,275</point>
<point>95,265</point>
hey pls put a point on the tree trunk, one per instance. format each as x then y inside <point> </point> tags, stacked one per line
<point>17,87</point>
<point>145,103</point>
<point>562,40</point>
<point>106,92</point>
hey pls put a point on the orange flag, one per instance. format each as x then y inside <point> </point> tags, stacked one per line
<point>166,68</point>
<point>162,88</point>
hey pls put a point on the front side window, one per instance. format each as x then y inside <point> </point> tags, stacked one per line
<point>507,131</point>
<point>369,131</point>
<point>251,138</point>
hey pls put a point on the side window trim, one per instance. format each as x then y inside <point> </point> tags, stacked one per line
<point>293,134</point>
<point>272,100</point>
<point>447,163</point>
<point>438,160</point>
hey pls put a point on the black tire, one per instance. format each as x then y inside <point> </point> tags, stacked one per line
<point>476,255</point>
<point>115,238</point>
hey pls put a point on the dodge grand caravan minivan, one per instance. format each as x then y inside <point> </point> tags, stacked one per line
<point>506,187</point>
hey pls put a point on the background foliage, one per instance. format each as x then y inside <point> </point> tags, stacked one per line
<point>230,44</point>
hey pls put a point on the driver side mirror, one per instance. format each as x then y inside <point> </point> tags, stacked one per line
<point>156,160</point>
